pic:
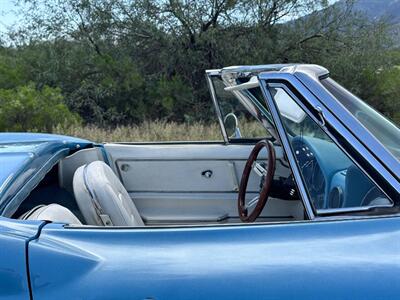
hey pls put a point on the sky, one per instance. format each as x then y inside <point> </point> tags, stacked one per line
<point>7,16</point>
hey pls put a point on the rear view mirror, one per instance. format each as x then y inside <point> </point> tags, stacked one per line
<point>288,108</point>
<point>231,124</point>
<point>252,83</point>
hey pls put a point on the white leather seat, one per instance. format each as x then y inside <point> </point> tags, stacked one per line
<point>52,212</point>
<point>102,198</point>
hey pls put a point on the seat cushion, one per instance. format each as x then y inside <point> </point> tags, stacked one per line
<point>102,198</point>
<point>52,212</point>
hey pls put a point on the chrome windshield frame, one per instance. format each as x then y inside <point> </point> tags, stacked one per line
<point>248,101</point>
<point>209,75</point>
<point>363,156</point>
<point>347,132</point>
<point>308,205</point>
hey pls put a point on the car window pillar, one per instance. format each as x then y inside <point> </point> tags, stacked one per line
<point>216,106</point>
<point>288,150</point>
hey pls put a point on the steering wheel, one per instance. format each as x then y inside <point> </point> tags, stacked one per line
<point>266,174</point>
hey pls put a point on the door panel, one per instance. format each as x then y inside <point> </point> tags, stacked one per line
<point>176,175</point>
<point>354,259</point>
<point>171,175</point>
<point>170,182</point>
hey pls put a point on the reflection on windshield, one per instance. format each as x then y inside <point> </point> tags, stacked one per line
<point>20,147</point>
<point>384,130</point>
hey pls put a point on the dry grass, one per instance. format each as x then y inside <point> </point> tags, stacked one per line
<point>157,131</point>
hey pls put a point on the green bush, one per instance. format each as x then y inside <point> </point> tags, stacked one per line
<point>26,108</point>
<point>388,93</point>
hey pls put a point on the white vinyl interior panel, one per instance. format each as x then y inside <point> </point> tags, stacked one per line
<point>68,165</point>
<point>179,168</point>
<point>177,176</point>
<point>117,152</point>
<point>186,176</point>
<point>206,207</point>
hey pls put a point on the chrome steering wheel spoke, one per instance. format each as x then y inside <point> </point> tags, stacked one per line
<point>259,169</point>
<point>252,202</point>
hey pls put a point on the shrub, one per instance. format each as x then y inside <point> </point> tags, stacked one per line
<point>26,108</point>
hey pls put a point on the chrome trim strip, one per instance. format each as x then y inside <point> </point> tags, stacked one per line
<point>343,218</point>
<point>217,108</point>
<point>347,210</point>
<point>285,143</point>
<point>213,72</point>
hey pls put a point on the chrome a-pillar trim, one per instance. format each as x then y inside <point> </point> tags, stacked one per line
<point>210,84</point>
<point>288,150</point>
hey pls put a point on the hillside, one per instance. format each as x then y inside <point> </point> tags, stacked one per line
<point>376,9</point>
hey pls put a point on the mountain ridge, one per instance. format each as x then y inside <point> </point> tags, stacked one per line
<point>378,9</point>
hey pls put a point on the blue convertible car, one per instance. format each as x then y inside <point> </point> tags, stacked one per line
<point>300,200</point>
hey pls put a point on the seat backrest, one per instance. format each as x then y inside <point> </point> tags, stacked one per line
<point>52,212</point>
<point>102,198</point>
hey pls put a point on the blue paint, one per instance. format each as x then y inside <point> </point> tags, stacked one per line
<point>11,164</point>
<point>355,259</point>
<point>14,238</point>
<point>23,154</point>
<point>25,137</point>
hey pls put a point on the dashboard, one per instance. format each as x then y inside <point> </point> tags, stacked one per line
<point>324,168</point>
<point>332,179</point>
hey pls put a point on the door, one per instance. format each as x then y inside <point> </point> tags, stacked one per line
<point>198,182</point>
<point>308,260</point>
<point>172,183</point>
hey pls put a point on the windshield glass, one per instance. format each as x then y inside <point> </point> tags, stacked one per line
<point>249,114</point>
<point>384,130</point>
<point>331,178</point>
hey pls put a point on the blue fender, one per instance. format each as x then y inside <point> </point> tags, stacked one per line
<point>14,238</point>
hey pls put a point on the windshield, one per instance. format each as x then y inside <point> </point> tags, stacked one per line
<point>384,130</point>
<point>251,115</point>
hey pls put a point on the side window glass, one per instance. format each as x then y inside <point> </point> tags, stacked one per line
<point>238,121</point>
<point>331,178</point>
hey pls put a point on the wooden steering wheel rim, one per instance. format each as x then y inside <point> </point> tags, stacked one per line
<point>264,193</point>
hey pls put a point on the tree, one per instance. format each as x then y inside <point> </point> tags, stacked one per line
<point>25,108</point>
<point>119,61</point>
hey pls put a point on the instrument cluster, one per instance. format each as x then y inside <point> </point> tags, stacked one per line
<point>312,174</point>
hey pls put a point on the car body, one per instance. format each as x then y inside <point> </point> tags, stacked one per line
<point>330,227</point>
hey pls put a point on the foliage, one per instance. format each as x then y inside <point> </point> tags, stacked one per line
<point>119,62</point>
<point>386,94</point>
<point>157,130</point>
<point>26,108</point>
<point>12,71</point>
